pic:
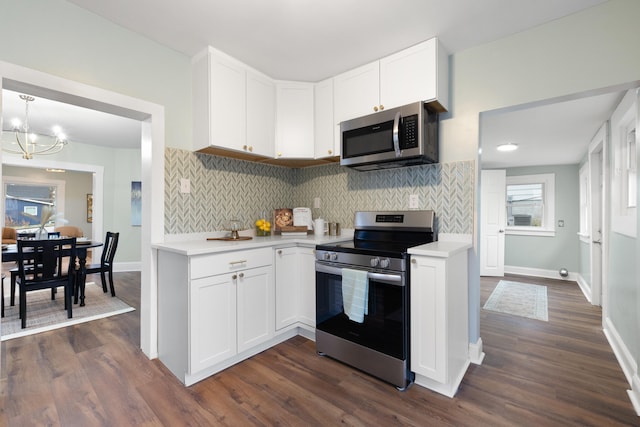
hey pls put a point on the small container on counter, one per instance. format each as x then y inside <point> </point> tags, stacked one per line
<point>263,225</point>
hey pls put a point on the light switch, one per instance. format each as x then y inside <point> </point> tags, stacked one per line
<point>316,203</point>
<point>185,185</point>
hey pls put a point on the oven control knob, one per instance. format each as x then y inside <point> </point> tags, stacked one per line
<point>374,262</point>
<point>384,262</point>
<point>334,256</point>
<point>326,256</point>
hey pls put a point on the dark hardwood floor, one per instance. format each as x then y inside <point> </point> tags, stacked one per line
<point>556,373</point>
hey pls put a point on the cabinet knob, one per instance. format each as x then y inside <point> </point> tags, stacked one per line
<point>244,147</point>
<point>250,148</point>
<point>381,107</point>
<point>330,151</point>
<point>375,108</point>
<point>241,275</point>
<point>279,154</point>
<point>414,261</point>
<point>234,277</point>
<point>280,252</point>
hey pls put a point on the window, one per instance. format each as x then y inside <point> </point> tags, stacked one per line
<point>25,200</point>
<point>624,168</point>
<point>530,204</point>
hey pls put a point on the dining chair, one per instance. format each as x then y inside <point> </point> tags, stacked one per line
<point>46,272</point>
<point>106,261</point>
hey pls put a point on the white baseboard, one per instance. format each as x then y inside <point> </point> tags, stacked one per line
<point>476,355</point>
<point>584,287</point>
<point>119,267</point>
<point>622,353</point>
<point>634,393</point>
<point>539,272</point>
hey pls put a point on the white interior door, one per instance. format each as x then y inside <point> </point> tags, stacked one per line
<point>597,229</point>
<point>493,195</point>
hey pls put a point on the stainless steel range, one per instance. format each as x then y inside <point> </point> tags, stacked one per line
<point>371,334</point>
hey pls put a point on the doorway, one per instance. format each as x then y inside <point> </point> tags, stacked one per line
<point>151,117</point>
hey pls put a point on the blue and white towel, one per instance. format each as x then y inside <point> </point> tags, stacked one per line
<point>355,294</point>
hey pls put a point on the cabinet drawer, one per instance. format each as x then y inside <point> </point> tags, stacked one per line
<point>212,264</point>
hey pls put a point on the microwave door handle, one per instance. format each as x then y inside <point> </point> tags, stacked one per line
<point>396,134</point>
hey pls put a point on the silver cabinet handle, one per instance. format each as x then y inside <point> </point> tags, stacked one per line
<point>242,261</point>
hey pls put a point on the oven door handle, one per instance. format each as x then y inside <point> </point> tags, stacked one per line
<point>392,279</point>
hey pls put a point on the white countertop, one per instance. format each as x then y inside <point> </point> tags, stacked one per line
<point>441,248</point>
<point>200,245</point>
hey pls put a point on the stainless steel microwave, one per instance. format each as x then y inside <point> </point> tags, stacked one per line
<point>402,136</point>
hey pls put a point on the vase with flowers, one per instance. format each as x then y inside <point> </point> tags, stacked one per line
<point>46,214</point>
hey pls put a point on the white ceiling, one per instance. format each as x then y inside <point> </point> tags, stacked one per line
<point>309,40</point>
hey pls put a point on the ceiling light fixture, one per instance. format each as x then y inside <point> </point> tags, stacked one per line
<point>29,143</point>
<point>507,147</point>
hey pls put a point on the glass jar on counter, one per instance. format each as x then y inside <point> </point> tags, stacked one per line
<point>263,225</point>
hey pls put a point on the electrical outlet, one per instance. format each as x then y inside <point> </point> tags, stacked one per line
<point>185,185</point>
<point>560,223</point>
<point>414,201</point>
<point>316,203</point>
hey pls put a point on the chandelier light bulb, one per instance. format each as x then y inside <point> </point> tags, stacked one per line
<point>33,137</point>
<point>57,130</point>
<point>16,123</point>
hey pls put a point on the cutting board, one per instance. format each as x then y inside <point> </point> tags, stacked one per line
<point>230,239</point>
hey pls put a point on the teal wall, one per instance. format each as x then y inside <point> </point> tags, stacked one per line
<point>585,264</point>
<point>562,250</point>
<point>623,289</point>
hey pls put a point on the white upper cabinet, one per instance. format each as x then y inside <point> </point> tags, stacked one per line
<point>261,114</point>
<point>357,92</point>
<point>294,123</point>
<point>228,99</point>
<point>419,73</point>
<point>324,124</point>
<point>239,112</point>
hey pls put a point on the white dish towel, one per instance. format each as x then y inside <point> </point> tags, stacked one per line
<point>355,294</point>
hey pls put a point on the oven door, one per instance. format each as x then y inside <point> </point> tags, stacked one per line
<point>385,327</point>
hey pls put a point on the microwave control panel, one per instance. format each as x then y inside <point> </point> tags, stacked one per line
<point>410,130</point>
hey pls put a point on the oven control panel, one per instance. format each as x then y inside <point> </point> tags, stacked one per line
<point>347,260</point>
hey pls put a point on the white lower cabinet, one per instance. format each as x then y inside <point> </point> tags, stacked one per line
<point>439,321</point>
<point>295,286</point>
<point>212,334</point>
<point>213,310</point>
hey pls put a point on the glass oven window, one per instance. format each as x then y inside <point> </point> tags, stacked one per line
<point>384,327</point>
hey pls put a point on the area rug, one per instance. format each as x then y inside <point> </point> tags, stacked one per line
<point>44,314</point>
<point>520,299</point>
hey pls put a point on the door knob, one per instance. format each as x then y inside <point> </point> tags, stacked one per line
<point>500,231</point>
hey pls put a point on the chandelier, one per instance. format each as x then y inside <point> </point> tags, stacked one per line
<point>29,143</point>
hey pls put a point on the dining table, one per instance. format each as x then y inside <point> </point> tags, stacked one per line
<point>10,253</point>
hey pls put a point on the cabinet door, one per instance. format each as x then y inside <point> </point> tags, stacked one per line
<point>307,285</point>
<point>228,102</point>
<point>357,92</point>
<point>212,329</point>
<point>324,125</point>
<point>294,123</point>
<point>287,286</point>
<point>428,321</point>
<point>255,307</point>
<point>419,73</point>
<point>261,116</point>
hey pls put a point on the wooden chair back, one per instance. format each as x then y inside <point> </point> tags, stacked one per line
<point>110,246</point>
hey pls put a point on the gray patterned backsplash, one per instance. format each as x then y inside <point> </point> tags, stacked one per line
<point>223,189</point>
